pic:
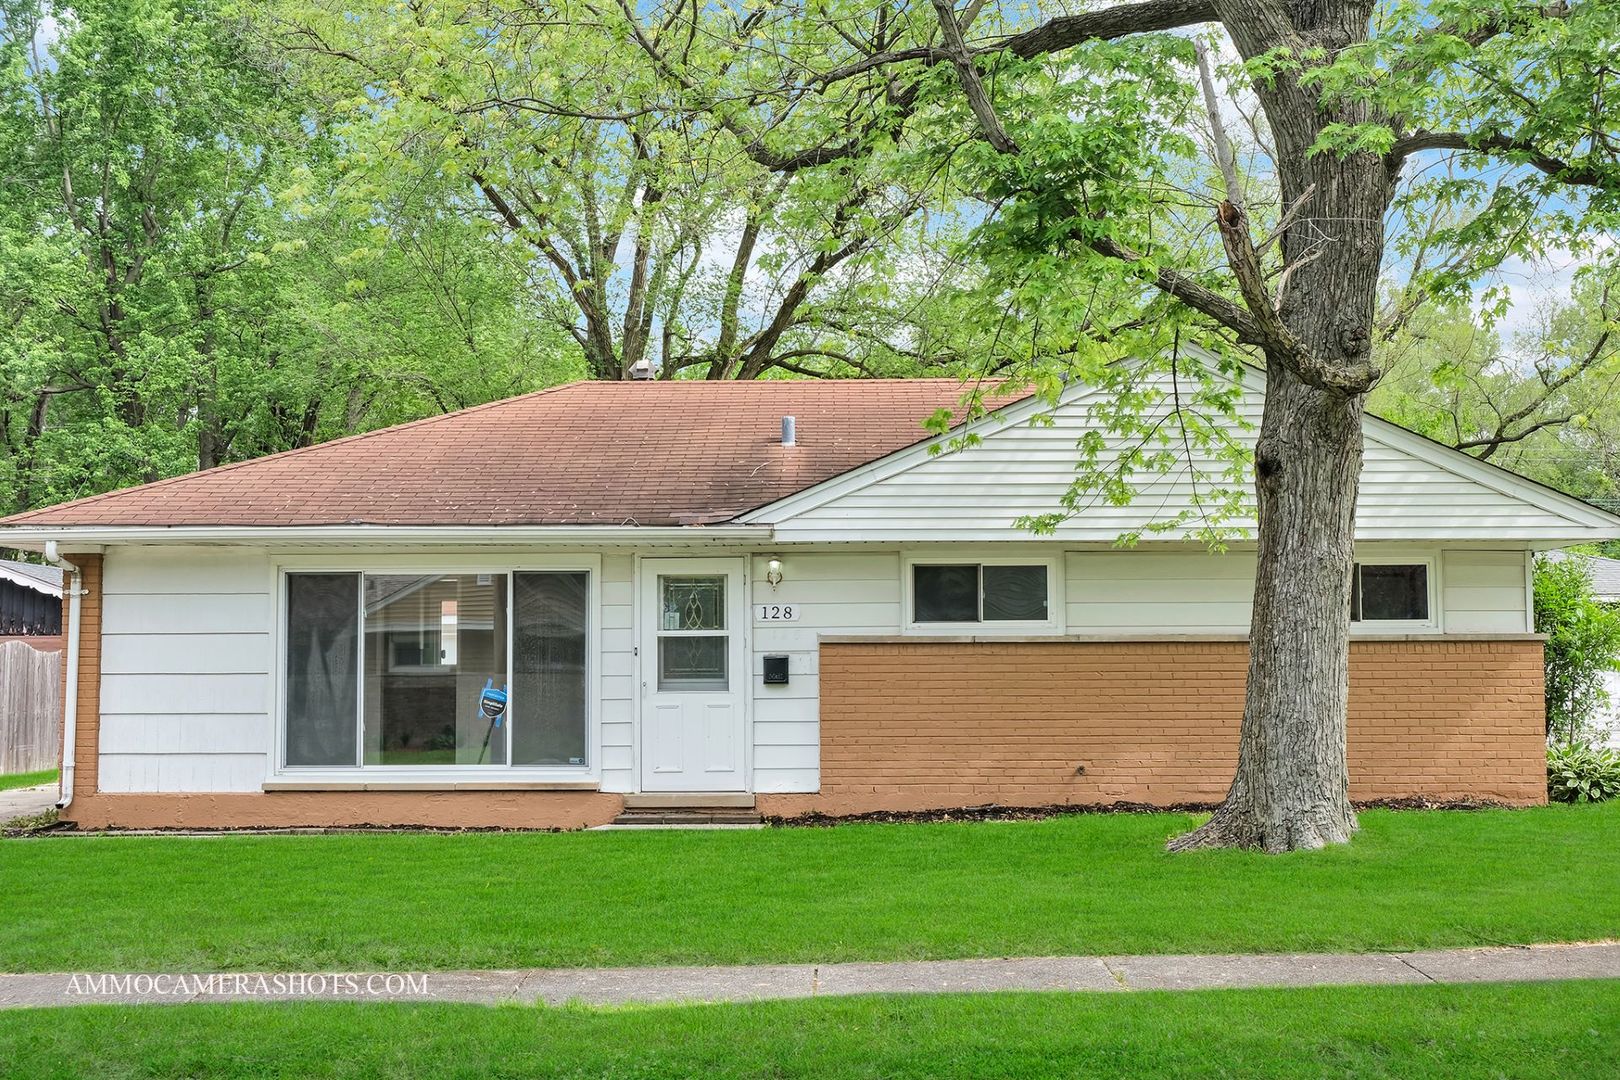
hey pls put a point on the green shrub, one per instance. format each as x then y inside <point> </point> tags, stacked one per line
<point>1583,642</point>
<point>1578,774</point>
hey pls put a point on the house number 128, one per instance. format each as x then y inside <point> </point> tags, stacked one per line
<point>776,613</point>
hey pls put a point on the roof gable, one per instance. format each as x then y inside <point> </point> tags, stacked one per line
<point>1412,488</point>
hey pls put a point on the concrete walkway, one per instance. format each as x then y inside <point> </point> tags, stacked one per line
<point>27,801</point>
<point>617,986</point>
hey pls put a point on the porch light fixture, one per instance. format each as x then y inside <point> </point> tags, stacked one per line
<point>773,571</point>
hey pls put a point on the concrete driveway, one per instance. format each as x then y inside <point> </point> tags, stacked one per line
<point>26,802</point>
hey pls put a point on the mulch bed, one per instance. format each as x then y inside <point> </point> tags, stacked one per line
<point>996,812</point>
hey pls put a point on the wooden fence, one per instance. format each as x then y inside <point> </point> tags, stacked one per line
<point>30,707</point>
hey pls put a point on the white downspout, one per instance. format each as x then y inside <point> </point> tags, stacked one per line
<point>70,707</point>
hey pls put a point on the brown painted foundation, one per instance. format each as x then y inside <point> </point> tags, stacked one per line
<point>321,809</point>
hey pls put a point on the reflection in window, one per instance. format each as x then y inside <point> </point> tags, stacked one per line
<point>431,643</point>
<point>945,593</point>
<point>1014,593</point>
<point>968,592</point>
<point>1390,592</point>
<point>388,669</point>
<point>323,656</point>
<point>548,661</point>
<point>692,663</point>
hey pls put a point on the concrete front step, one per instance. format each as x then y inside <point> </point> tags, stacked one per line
<point>690,800</point>
<point>688,816</point>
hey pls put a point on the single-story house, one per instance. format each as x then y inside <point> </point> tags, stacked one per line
<point>31,604</point>
<point>773,594</point>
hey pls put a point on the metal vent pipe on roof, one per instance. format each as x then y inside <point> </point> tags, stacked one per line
<point>790,434</point>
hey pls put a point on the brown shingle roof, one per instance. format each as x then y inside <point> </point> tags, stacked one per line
<point>648,453</point>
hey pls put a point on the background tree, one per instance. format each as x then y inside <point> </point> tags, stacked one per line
<point>1583,645</point>
<point>186,275</point>
<point>1541,401</point>
<point>676,249</point>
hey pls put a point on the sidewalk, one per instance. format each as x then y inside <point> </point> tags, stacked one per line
<point>618,986</point>
<point>26,802</point>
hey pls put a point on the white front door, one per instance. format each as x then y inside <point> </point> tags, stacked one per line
<point>693,617</point>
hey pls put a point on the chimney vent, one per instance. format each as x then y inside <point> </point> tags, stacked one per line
<point>789,432</point>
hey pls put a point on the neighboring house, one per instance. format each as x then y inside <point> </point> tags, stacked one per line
<point>686,605</point>
<point>31,604</point>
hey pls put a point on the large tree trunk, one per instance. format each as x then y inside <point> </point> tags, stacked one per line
<point>1292,785</point>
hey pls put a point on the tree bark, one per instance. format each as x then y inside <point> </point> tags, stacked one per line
<point>1292,787</point>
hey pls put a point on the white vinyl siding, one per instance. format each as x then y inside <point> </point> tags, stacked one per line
<point>1141,592</point>
<point>186,655</point>
<point>1483,592</point>
<point>856,593</point>
<point>618,674</point>
<point>1412,490</point>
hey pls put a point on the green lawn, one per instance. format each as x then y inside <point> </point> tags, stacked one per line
<point>26,779</point>
<point>1081,884</point>
<point>1412,1033</point>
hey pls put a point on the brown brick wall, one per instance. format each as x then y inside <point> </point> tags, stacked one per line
<point>88,721</point>
<point>916,725</point>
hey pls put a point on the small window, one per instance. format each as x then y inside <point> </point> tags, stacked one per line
<point>1390,592</point>
<point>973,592</point>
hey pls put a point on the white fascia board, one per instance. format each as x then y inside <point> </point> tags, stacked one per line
<point>907,458</point>
<point>24,536</point>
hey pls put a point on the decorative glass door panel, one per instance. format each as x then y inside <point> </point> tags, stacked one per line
<point>693,642</point>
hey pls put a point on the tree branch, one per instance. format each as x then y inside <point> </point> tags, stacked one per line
<point>1200,298</point>
<point>1494,442</point>
<point>1067,31</point>
<point>1500,146</point>
<point>1054,35</point>
<point>967,73</point>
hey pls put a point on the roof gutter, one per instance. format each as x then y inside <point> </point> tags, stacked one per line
<point>30,535</point>
<point>74,588</point>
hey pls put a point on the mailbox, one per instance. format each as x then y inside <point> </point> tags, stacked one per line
<point>776,671</point>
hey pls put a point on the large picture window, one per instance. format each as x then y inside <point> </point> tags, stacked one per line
<point>387,669</point>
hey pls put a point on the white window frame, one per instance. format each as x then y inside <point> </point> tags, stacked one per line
<point>1431,576</point>
<point>419,777</point>
<point>1052,624</point>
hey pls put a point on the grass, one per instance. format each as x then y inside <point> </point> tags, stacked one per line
<point>1073,885</point>
<point>26,779</point>
<point>1412,1033</point>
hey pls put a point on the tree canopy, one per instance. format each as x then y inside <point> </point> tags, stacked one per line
<point>231,229</point>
